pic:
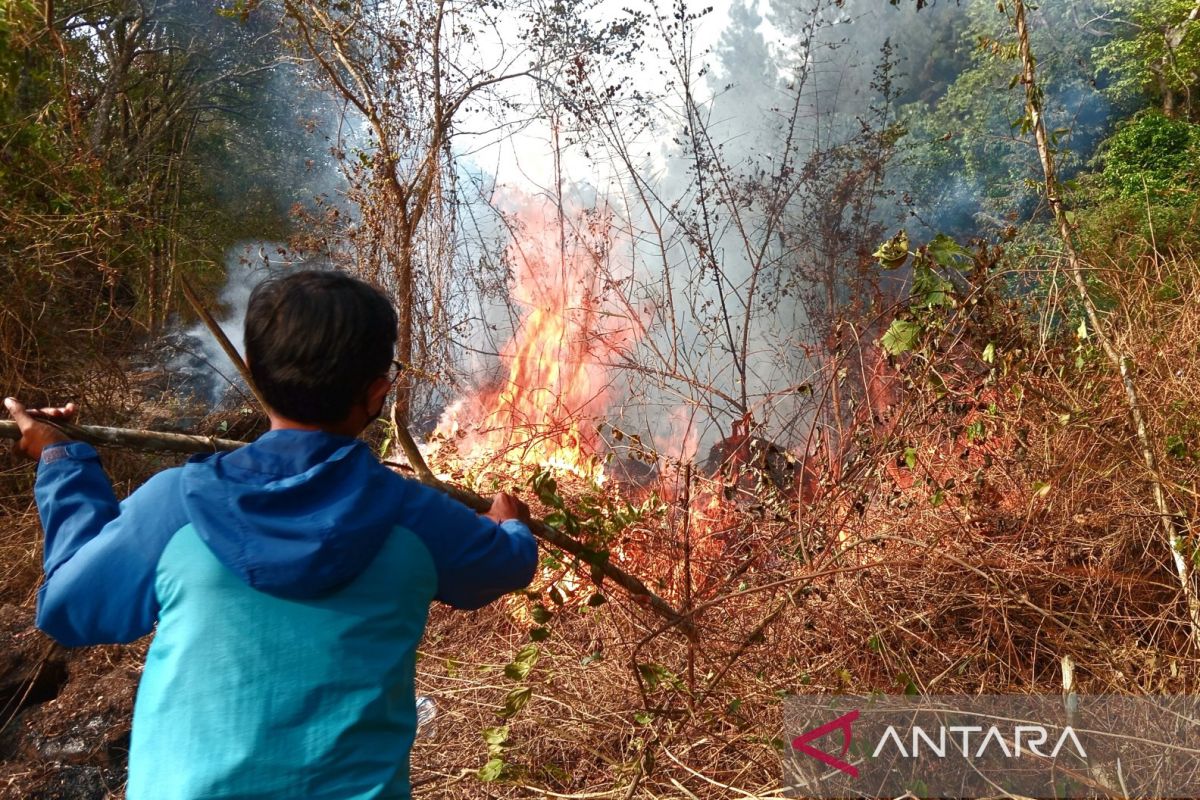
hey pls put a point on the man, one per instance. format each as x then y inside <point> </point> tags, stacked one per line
<point>290,580</point>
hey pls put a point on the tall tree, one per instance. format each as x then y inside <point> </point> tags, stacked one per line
<point>1155,51</point>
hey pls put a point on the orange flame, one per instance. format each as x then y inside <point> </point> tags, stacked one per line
<point>559,360</point>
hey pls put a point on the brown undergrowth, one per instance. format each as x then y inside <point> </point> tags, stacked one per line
<point>998,521</point>
<point>990,523</point>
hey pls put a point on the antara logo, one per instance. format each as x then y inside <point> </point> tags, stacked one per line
<point>974,741</point>
<point>1024,738</point>
<point>842,723</point>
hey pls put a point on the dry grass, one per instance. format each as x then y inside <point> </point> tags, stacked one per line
<point>1025,532</point>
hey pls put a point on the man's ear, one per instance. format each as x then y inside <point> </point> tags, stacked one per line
<point>377,392</point>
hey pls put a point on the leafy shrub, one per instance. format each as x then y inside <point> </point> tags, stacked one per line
<point>1153,155</point>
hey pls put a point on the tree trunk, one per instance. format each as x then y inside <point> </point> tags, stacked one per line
<point>1122,362</point>
<point>402,404</point>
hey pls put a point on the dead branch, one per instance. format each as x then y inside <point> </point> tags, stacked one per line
<point>133,439</point>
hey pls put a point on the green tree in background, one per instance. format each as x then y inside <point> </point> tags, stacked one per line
<point>137,141</point>
<point>965,161</point>
<point>1155,54</point>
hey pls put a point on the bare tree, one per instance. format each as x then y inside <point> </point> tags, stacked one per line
<point>409,71</point>
<point>748,241</point>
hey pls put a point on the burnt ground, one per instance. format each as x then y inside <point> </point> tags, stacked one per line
<point>66,714</point>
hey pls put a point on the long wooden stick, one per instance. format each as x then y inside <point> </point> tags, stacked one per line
<point>183,443</point>
<point>132,438</point>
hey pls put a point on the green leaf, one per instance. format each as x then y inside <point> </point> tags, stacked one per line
<point>522,663</point>
<point>1177,446</point>
<point>539,634</point>
<point>517,671</point>
<point>495,736</point>
<point>491,770</point>
<point>1081,332</point>
<point>597,600</point>
<point>949,253</point>
<point>652,674</point>
<point>656,675</point>
<point>515,700</point>
<point>560,520</point>
<point>541,615</point>
<point>900,337</point>
<point>930,290</point>
<point>989,353</point>
<point>894,252</point>
<point>910,457</point>
<point>528,654</point>
<point>643,717</point>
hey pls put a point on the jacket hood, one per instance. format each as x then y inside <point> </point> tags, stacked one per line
<point>296,514</point>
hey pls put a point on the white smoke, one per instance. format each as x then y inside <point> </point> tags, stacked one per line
<point>199,364</point>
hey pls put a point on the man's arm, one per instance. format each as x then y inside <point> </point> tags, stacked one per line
<point>478,558</point>
<point>100,556</point>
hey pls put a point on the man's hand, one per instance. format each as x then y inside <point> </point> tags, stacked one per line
<point>505,507</point>
<point>37,436</point>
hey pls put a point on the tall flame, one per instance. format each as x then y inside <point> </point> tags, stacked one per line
<point>558,362</point>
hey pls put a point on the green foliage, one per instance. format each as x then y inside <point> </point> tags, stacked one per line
<point>492,770</point>
<point>931,294</point>
<point>1155,157</point>
<point>656,675</point>
<point>961,157</point>
<point>521,665</point>
<point>135,146</point>
<point>1142,198</point>
<point>901,336</point>
<point>594,517</point>
<point>497,737</point>
<point>1155,54</point>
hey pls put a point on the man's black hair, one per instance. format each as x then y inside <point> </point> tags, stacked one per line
<point>315,341</point>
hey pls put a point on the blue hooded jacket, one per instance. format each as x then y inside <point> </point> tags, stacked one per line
<point>290,581</point>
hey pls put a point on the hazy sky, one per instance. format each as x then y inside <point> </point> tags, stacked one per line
<point>524,160</point>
